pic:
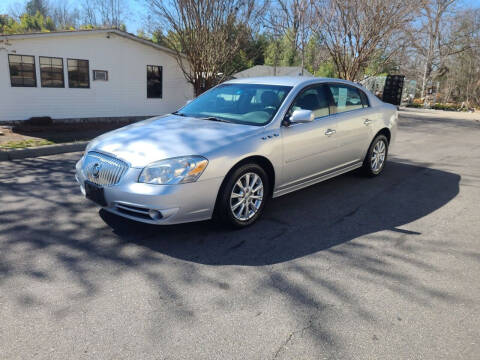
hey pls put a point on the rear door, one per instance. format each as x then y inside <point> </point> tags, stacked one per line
<point>352,115</point>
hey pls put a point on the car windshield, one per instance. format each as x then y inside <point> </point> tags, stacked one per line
<point>249,104</point>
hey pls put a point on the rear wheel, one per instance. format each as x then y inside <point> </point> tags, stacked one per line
<point>242,198</point>
<point>376,158</point>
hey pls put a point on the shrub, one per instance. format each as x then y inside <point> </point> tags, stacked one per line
<point>446,107</point>
<point>418,101</point>
<point>415,105</point>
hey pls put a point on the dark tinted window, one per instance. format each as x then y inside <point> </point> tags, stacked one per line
<point>364,97</point>
<point>78,73</point>
<point>22,70</point>
<point>345,98</point>
<point>314,99</point>
<point>154,81</point>
<point>51,72</point>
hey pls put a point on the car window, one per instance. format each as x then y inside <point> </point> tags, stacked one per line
<point>364,97</point>
<point>250,104</point>
<point>314,99</point>
<point>345,98</point>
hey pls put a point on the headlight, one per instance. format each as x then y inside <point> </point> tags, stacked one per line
<point>174,171</point>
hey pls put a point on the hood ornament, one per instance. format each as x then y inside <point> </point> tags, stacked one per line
<point>96,170</point>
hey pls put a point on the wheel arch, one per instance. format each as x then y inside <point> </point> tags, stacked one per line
<point>260,161</point>
<point>255,159</point>
<point>385,131</point>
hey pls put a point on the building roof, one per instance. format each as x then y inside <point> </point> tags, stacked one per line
<point>86,32</point>
<point>267,70</point>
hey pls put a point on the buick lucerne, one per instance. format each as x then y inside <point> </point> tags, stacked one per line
<point>226,153</point>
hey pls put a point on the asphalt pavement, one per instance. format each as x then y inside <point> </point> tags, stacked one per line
<point>352,268</point>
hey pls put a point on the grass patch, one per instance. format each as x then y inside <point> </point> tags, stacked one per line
<point>21,144</point>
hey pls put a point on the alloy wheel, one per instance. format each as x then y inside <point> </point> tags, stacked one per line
<point>378,156</point>
<point>247,196</point>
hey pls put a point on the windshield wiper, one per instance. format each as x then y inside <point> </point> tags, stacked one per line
<point>213,118</point>
<point>178,113</point>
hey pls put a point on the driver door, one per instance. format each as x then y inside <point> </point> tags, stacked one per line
<point>309,148</point>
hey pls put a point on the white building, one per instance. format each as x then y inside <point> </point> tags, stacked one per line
<point>87,74</point>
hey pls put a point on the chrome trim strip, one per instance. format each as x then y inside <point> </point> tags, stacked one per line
<point>323,177</point>
<point>318,175</point>
<point>131,209</point>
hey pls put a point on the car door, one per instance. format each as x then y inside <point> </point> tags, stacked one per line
<point>353,123</point>
<point>309,148</point>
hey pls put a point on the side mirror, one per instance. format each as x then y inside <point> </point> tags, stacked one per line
<point>301,116</point>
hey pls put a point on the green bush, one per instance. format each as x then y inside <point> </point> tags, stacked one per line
<point>446,107</point>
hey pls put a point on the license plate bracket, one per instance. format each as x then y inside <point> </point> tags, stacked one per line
<point>95,193</point>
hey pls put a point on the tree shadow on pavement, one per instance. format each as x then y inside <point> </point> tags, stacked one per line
<point>51,238</point>
<point>305,222</point>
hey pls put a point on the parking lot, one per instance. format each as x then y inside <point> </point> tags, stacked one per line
<point>352,268</point>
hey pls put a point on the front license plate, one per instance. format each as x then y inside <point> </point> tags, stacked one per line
<point>95,193</point>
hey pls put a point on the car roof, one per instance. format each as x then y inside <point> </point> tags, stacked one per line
<point>287,80</point>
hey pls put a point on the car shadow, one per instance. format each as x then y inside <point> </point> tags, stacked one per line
<point>307,221</point>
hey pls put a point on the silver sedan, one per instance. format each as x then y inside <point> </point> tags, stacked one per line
<point>241,143</point>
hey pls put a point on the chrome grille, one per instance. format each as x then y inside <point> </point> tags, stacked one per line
<point>103,169</point>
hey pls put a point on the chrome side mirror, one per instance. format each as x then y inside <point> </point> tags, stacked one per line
<point>301,116</point>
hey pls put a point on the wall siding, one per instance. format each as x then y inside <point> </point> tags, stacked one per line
<point>123,95</point>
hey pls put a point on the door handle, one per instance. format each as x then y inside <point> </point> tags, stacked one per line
<point>330,132</point>
<point>367,122</point>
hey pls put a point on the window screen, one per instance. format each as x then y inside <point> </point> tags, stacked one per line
<point>154,81</point>
<point>78,73</point>
<point>345,98</point>
<point>51,72</point>
<point>22,70</point>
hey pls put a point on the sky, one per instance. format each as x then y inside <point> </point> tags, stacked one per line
<point>133,22</point>
<point>137,10</point>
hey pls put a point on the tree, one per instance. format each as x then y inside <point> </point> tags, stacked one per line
<point>290,21</point>
<point>27,23</point>
<point>251,53</point>
<point>428,39</point>
<point>317,58</point>
<point>355,31</point>
<point>8,25</point>
<point>64,16</point>
<point>460,81</point>
<point>206,35</point>
<point>37,6</point>
<point>105,13</point>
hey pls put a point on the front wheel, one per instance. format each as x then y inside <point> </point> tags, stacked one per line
<point>376,158</point>
<point>242,199</point>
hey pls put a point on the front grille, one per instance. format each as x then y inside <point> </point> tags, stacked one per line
<point>103,169</point>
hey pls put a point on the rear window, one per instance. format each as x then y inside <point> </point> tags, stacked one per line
<point>345,98</point>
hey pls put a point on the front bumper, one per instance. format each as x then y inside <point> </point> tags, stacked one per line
<point>158,204</point>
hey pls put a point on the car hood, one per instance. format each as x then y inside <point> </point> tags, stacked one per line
<point>169,136</point>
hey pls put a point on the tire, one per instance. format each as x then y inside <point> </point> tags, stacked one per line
<point>370,167</point>
<point>241,208</point>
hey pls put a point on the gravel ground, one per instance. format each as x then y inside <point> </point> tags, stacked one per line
<point>353,268</point>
